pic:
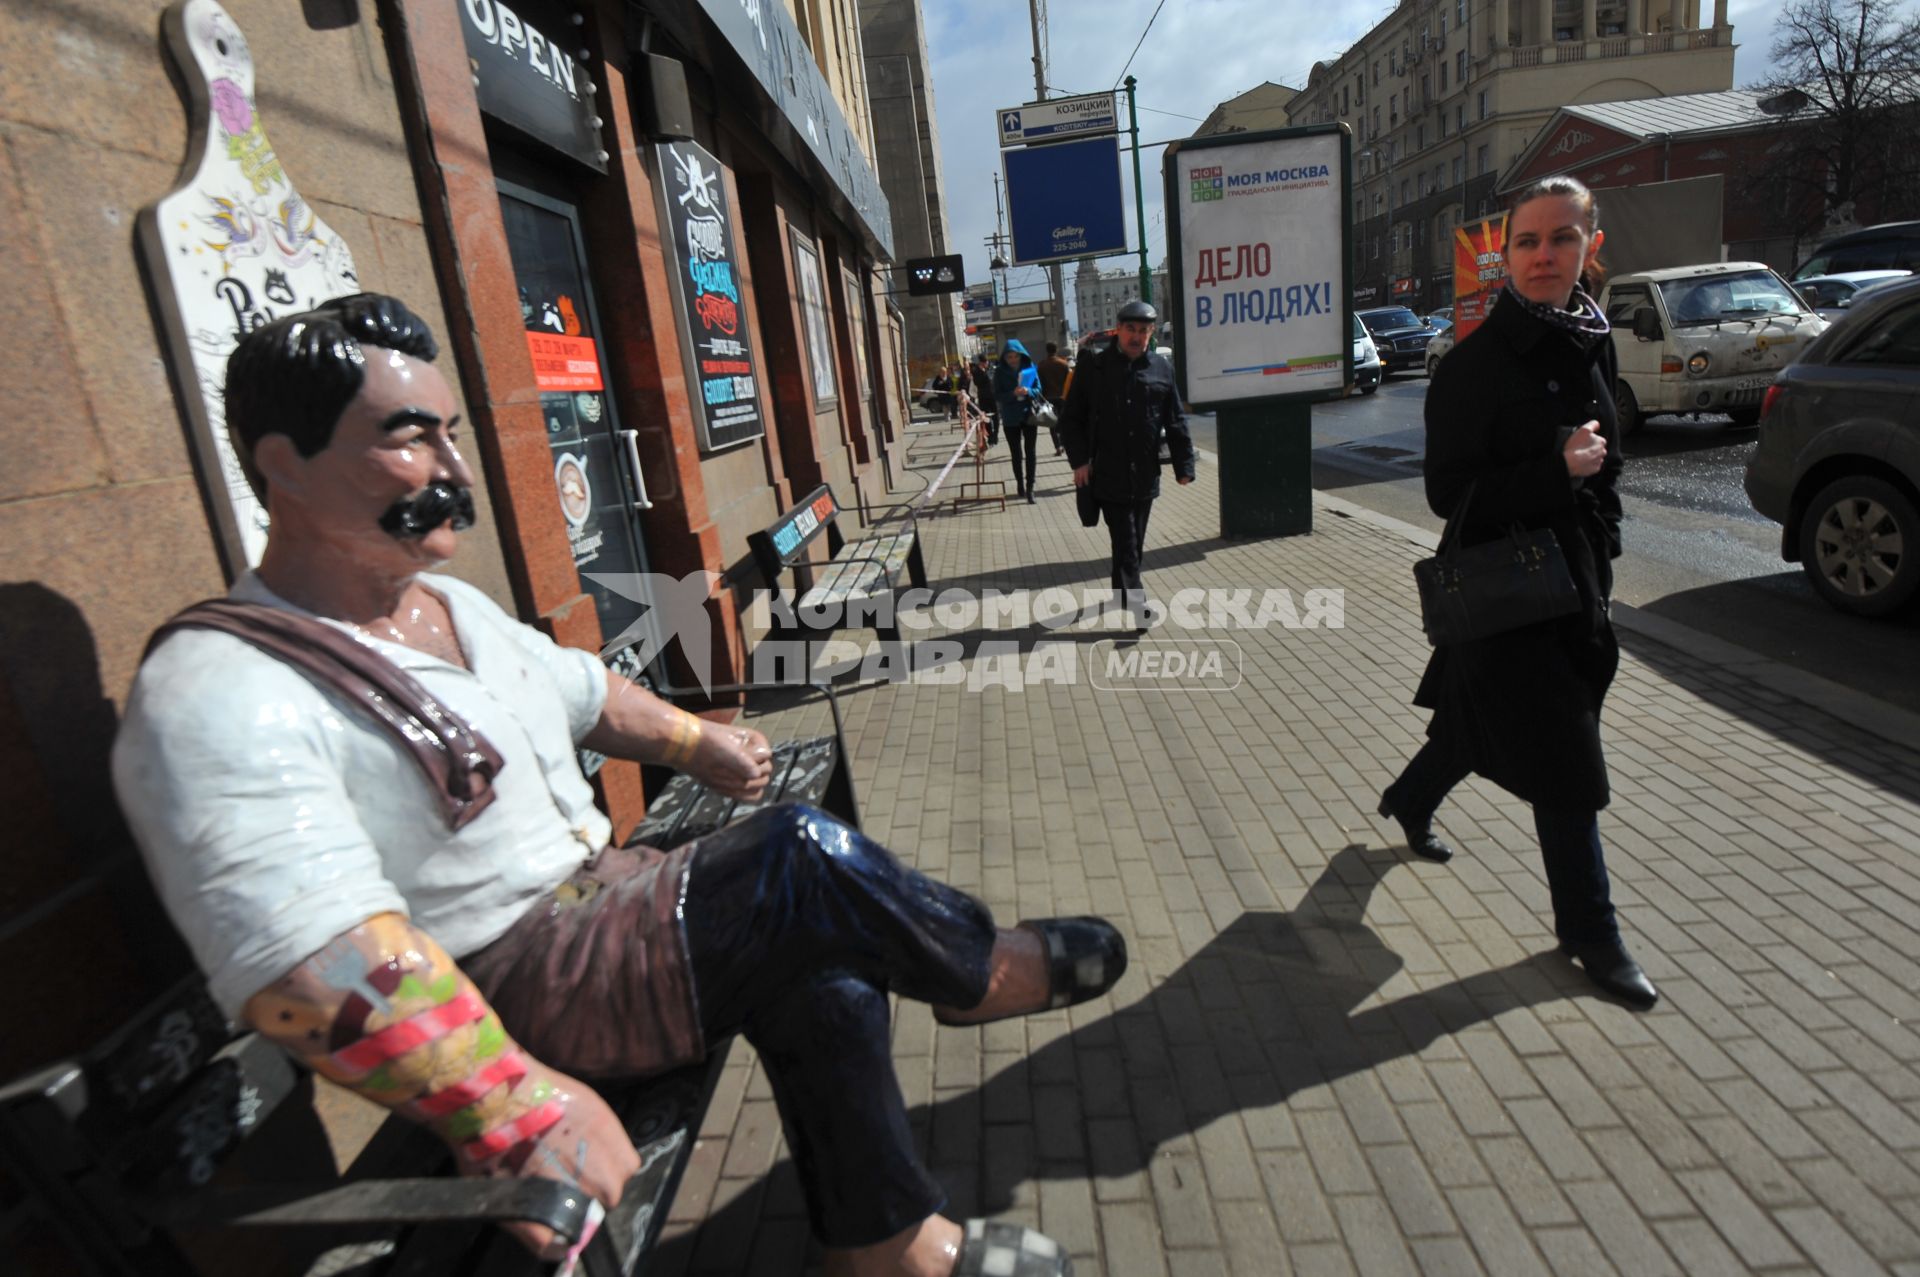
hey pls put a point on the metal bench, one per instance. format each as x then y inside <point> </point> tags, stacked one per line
<point>857,584</point>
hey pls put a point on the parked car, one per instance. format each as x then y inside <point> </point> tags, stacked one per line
<point>1838,462</point>
<point>1437,348</point>
<point>1440,321</point>
<point>1367,370</point>
<point>1401,336</point>
<point>1888,246</point>
<point>1830,295</point>
<point>1703,338</point>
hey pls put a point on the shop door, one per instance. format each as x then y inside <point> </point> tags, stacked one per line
<point>596,463</point>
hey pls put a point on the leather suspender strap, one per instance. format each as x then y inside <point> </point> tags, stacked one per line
<point>458,762</point>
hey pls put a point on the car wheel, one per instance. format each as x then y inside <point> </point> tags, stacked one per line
<point>1860,545</point>
<point>1744,418</point>
<point>1432,363</point>
<point>1367,390</point>
<point>1626,408</point>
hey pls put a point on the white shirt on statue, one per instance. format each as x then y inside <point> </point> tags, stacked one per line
<point>274,815</point>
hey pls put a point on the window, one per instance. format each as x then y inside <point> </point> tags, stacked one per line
<point>1423,185</point>
<point>1393,113</point>
<point>1378,202</point>
<point>1376,121</point>
<point>1460,66</point>
<point>1443,79</point>
<point>1895,340</point>
<point>1443,124</point>
<point>1406,100</point>
<point>1460,13</point>
<point>1376,71</point>
<point>1346,102</point>
<point>1483,160</point>
<point>1460,117</point>
<point>1443,28</point>
<point>1458,165</point>
<point>1359,209</point>
<point>1420,136</point>
<point>1483,104</point>
<point>1405,186</point>
<point>1420,232</point>
<point>1623,302</point>
<point>1426,88</point>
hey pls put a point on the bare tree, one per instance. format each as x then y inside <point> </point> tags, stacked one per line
<point>1844,83</point>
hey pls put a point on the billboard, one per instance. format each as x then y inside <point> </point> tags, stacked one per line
<point>1064,200</point>
<point>1258,226</point>
<point>1479,268</point>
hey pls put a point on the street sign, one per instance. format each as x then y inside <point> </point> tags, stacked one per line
<point>1059,119</point>
<point>930,276</point>
<point>1259,246</point>
<point>1064,200</point>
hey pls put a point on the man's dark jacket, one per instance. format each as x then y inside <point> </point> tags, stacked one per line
<point>982,378</point>
<point>1116,415</point>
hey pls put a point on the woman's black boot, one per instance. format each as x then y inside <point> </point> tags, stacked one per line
<point>1611,968</point>
<point>1421,840</point>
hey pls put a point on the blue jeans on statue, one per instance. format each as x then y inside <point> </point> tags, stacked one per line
<point>797,927</point>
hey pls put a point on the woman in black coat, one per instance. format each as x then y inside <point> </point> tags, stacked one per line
<point>1521,427</point>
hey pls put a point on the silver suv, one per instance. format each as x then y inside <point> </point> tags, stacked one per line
<point>1838,463</point>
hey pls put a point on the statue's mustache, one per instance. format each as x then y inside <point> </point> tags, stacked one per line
<point>427,509</point>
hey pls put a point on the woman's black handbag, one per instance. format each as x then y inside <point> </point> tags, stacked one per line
<point>1476,591</point>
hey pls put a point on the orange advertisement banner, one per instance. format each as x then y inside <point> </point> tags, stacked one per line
<point>1479,268</point>
<point>564,363</point>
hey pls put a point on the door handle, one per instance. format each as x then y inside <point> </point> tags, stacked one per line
<point>632,439</point>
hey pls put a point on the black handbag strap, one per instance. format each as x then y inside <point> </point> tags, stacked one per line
<point>1450,534</point>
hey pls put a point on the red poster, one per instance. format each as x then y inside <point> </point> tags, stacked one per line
<point>1479,268</point>
<point>564,363</point>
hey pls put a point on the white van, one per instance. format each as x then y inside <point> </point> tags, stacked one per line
<point>1703,338</point>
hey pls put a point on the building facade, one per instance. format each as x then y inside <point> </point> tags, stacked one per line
<point>1443,95</point>
<point>649,236</point>
<point>907,154</point>
<point>1262,107</point>
<point>1099,294</point>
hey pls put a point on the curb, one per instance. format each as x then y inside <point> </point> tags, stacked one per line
<point>1856,709</point>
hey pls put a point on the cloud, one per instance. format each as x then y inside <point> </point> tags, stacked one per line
<point>1198,54</point>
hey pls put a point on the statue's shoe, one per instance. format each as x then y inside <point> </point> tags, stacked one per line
<point>1085,958</point>
<point>995,1248</point>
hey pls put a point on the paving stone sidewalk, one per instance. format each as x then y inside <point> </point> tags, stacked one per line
<point>1329,1057</point>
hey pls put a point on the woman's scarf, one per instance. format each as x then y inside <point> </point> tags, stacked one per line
<point>1583,320</point>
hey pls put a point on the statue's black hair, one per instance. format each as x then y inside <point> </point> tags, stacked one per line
<point>296,375</point>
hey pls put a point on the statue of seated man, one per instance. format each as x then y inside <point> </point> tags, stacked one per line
<point>355,784</point>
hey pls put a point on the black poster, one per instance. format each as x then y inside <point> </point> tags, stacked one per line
<point>523,77</point>
<point>722,378</point>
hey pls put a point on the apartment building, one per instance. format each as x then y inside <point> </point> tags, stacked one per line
<point>1443,95</point>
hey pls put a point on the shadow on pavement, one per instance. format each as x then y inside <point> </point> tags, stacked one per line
<point>1266,1009</point>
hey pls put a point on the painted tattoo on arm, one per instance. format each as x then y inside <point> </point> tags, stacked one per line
<point>386,1013</point>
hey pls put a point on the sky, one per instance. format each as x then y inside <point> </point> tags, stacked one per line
<point>1198,54</point>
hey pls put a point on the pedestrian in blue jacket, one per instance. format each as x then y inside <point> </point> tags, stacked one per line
<point>1016,386</point>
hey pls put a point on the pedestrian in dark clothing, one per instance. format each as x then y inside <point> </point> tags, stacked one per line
<point>1015,384</point>
<point>942,399</point>
<point>1054,373</point>
<point>1122,406</point>
<point>1521,426</point>
<point>982,375</point>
